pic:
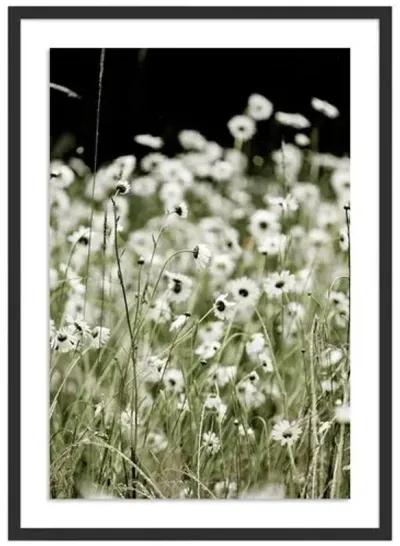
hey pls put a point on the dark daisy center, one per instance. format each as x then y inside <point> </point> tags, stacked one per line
<point>287,434</point>
<point>122,188</point>
<point>179,211</point>
<point>61,337</point>
<point>263,225</point>
<point>220,306</point>
<point>196,252</point>
<point>177,286</point>
<point>280,284</point>
<point>243,292</point>
<point>84,240</point>
<point>172,382</point>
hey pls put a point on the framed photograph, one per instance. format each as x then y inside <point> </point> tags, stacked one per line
<point>200,273</point>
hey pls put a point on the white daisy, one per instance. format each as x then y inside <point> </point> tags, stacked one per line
<point>277,284</point>
<point>221,171</point>
<point>212,331</point>
<point>263,222</point>
<point>143,186</point>
<point>255,345</point>
<point>297,121</point>
<point>242,128</point>
<point>82,330</point>
<point>244,291</point>
<point>61,175</point>
<point>64,340</point>
<point>174,171</point>
<point>286,204</point>
<point>223,308</point>
<point>286,433</point>
<point>223,375</point>
<point>170,194</point>
<point>211,443</point>
<point>214,404</point>
<point>259,108</point>
<point>192,140</point>
<point>325,108</point>
<point>301,139</point>
<point>122,187</point>
<point>180,210</point>
<point>179,287</point>
<point>222,266</point>
<point>153,369</point>
<point>100,335</point>
<point>173,381</point>
<point>80,236</point>
<point>249,395</point>
<point>208,349</point>
<point>151,161</point>
<point>202,256</point>
<point>179,322</point>
<point>265,360</point>
<point>150,141</point>
<point>338,298</point>
<point>272,244</point>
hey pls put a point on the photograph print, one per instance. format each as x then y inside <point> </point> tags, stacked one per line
<point>199,274</point>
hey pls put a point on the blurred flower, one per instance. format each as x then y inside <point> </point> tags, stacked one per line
<point>242,128</point>
<point>324,107</point>
<point>143,186</point>
<point>192,140</point>
<point>202,256</point>
<point>207,349</point>
<point>150,141</point>
<point>173,381</point>
<point>211,443</point>
<point>259,108</point>
<point>297,121</point>
<point>179,322</point>
<point>179,287</point>
<point>301,139</point>
<point>61,176</point>
<point>342,414</point>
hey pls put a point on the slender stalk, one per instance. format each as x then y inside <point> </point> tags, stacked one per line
<point>134,397</point>
<point>96,151</point>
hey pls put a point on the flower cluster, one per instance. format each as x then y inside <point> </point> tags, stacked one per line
<point>200,316</point>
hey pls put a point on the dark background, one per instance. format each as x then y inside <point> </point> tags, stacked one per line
<point>161,91</point>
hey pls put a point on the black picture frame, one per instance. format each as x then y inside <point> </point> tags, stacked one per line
<point>384,17</point>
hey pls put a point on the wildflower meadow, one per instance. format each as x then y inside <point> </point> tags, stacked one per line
<point>200,316</point>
